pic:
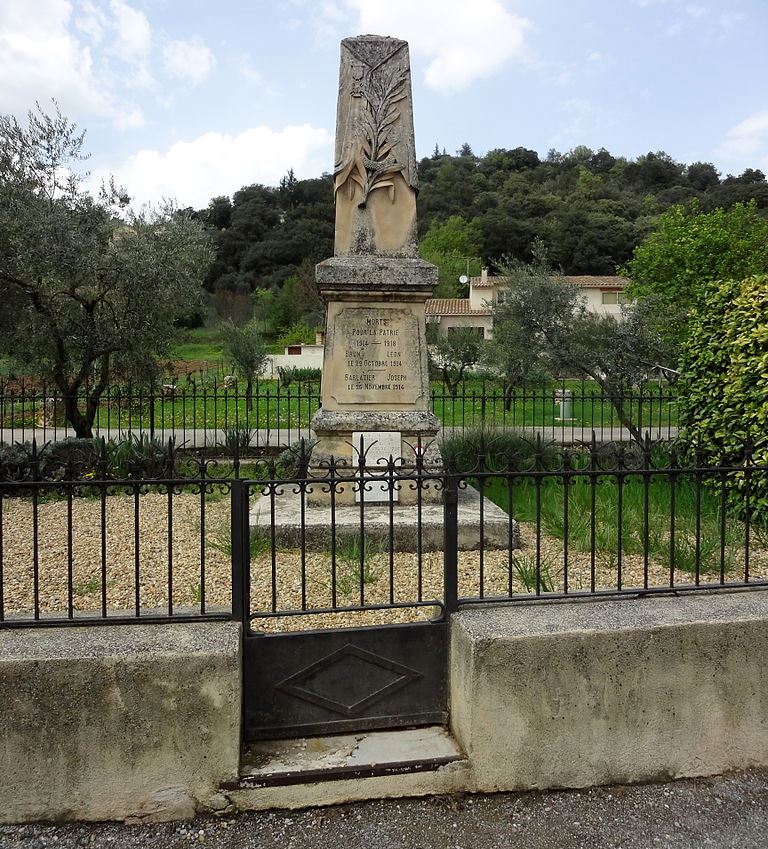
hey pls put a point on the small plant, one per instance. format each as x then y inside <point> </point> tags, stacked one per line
<point>220,539</point>
<point>294,461</point>
<point>140,455</point>
<point>524,566</point>
<point>285,375</point>
<point>196,591</point>
<point>87,587</point>
<point>237,438</point>
<point>348,557</point>
<point>495,449</point>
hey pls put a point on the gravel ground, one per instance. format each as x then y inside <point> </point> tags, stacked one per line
<point>54,556</point>
<point>728,812</point>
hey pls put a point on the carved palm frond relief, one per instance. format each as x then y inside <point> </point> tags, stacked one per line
<point>374,163</point>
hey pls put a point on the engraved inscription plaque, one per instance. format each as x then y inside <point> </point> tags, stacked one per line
<point>379,356</point>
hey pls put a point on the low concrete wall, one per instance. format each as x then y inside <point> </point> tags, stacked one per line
<point>595,692</point>
<point>119,721</point>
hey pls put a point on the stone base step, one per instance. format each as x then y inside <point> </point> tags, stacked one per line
<point>408,533</point>
<point>348,767</point>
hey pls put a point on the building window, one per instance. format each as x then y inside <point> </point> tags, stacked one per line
<point>615,297</point>
<point>479,330</point>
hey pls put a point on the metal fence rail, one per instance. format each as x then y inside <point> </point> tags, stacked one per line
<point>218,414</point>
<point>297,548</point>
<point>79,545</point>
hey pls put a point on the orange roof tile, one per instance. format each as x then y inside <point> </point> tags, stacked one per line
<point>584,281</point>
<point>452,306</point>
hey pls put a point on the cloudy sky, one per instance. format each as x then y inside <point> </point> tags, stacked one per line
<point>189,99</point>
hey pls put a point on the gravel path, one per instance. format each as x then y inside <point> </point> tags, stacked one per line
<point>190,547</point>
<point>728,812</point>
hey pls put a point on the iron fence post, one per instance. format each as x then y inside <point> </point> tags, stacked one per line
<point>241,553</point>
<point>451,543</point>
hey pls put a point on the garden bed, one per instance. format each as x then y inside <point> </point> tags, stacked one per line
<point>409,582</point>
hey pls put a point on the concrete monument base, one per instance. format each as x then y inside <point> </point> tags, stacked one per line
<point>346,519</point>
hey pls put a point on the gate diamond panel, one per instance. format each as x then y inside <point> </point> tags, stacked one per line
<point>340,681</point>
<point>349,680</point>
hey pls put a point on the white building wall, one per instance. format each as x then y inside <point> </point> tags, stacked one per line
<point>311,356</point>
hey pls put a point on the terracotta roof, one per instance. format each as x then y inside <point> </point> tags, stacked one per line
<point>452,306</point>
<point>584,281</point>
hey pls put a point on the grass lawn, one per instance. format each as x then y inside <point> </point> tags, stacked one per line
<point>657,521</point>
<point>199,344</point>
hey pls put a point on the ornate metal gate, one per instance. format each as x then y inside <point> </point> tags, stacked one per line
<point>333,680</point>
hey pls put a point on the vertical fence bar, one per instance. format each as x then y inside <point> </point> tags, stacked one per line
<point>241,552</point>
<point>451,543</point>
<point>2,545</point>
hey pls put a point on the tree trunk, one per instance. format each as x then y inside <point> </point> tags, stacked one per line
<point>249,395</point>
<point>618,402</point>
<point>82,424</point>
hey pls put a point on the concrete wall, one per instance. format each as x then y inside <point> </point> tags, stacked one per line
<point>595,692</point>
<point>311,356</point>
<point>594,301</point>
<point>118,721</point>
<point>484,321</point>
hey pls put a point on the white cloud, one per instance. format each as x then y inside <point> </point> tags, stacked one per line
<point>461,41</point>
<point>188,60</point>
<point>214,164</point>
<point>51,55</point>
<point>128,117</point>
<point>39,59</point>
<point>749,138</point>
<point>133,36</point>
<point>728,20</point>
<point>582,121</point>
<point>91,21</point>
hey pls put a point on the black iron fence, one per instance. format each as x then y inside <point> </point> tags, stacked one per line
<point>284,546</point>
<point>219,414</point>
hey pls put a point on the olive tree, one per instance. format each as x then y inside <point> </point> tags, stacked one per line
<point>543,328</point>
<point>453,353</point>
<point>94,290</point>
<point>245,348</point>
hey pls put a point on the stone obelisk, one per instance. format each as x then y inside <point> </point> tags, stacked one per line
<point>375,378</point>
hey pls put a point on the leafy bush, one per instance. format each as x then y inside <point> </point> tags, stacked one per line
<point>293,461</point>
<point>724,388</point>
<point>237,438</point>
<point>290,374</point>
<point>140,456</point>
<point>297,334</point>
<point>500,450</point>
<point>71,457</point>
<point>15,462</point>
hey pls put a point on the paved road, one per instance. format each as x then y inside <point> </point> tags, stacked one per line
<point>199,438</point>
<point>729,812</point>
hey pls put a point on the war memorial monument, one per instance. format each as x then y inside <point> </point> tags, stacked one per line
<point>375,379</point>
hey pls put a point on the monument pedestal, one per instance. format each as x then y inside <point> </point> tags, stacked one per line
<point>375,375</point>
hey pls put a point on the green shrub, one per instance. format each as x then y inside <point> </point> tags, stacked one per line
<point>724,388</point>
<point>501,450</point>
<point>140,456</point>
<point>71,457</point>
<point>290,374</point>
<point>237,438</point>
<point>296,334</point>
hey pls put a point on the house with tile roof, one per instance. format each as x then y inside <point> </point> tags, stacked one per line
<point>601,294</point>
